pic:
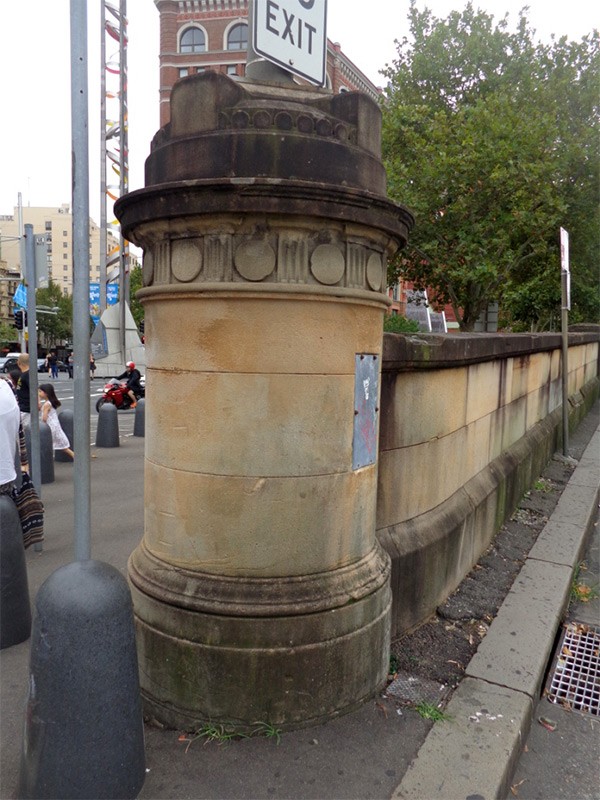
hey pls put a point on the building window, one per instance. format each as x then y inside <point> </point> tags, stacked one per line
<point>65,256</point>
<point>237,38</point>
<point>183,71</point>
<point>65,233</point>
<point>65,267</point>
<point>48,225</point>
<point>192,40</point>
<point>231,69</point>
<point>200,70</point>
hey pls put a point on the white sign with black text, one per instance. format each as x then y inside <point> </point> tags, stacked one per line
<point>293,34</point>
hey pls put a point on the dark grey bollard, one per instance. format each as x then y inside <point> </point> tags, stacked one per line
<point>15,609</point>
<point>84,735</point>
<point>46,452</point>
<point>139,423</point>
<point>66,423</point>
<point>107,434</point>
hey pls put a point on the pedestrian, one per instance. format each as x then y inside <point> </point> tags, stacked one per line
<point>70,360</point>
<point>9,431</point>
<point>92,366</point>
<point>13,379</point>
<point>23,388</point>
<point>53,364</point>
<point>48,406</point>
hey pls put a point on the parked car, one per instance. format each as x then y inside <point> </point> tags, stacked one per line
<point>8,364</point>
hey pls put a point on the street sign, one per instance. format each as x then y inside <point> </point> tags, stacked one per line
<point>565,270</point>
<point>293,34</point>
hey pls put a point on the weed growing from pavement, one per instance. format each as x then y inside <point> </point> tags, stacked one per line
<point>543,485</point>
<point>582,592</point>
<point>432,712</point>
<point>223,734</point>
<point>268,730</point>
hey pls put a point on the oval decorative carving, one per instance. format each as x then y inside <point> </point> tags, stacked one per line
<point>375,271</point>
<point>284,121</point>
<point>262,119</point>
<point>255,260</point>
<point>186,260</point>
<point>327,264</point>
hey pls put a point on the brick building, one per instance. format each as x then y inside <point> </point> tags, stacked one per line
<point>197,35</point>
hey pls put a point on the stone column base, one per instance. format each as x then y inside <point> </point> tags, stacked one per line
<point>290,652</point>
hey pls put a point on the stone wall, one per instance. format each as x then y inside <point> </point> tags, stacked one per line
<point>468,421</point>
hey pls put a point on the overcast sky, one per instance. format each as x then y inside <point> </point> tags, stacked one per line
<point>35,133</point>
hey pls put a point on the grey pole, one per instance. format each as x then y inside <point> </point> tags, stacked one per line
<point>564,314</point>
<point>22,260</point>
<point>103,234</point>
<point>36,469</point>
<point>123,162</point>
<point>81,278</point>
<point>257,67</point>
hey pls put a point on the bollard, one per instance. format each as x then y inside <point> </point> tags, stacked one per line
<point>83,735</point>
<point>46,451</point>
<point>15,610</point>
<point>139,423</point>
<point>107,434</point>
<point>66,423</point>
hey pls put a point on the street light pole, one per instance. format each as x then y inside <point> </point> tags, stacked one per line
<point>81,278</point>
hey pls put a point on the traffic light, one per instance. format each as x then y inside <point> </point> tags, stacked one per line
<point>20,319</point>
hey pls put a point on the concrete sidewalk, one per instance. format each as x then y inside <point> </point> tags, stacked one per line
<point>378,751</point>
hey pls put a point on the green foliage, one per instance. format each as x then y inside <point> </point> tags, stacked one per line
<point>492,140</point>
<point>135,284</point>
<point>398,324</point>
<point>8,333</point>
<point>432,712</point>
<point>224,734</point>
<point>54,328</point>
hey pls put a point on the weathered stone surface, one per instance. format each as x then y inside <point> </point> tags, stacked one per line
<point>260,590</point>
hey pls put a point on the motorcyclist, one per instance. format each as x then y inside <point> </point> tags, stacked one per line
<point>132,377</point>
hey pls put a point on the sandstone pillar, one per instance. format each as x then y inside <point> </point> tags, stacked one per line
<point>259,588</point>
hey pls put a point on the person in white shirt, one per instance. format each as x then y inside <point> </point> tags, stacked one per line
<point>9,436</point>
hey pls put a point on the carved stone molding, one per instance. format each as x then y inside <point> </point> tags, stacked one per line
<point>268,257</point>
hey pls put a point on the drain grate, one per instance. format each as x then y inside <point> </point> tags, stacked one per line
<point>575,682</point>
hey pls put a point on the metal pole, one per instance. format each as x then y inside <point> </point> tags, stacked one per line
<point>565,376</point>
<point>21,258</point>
<point>30,276</point>
<point>81,277</point>
<point>565,287</point>
<point>123,168</point>
<point>103,233</point>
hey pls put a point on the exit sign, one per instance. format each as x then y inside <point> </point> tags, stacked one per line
<point>293,34</point>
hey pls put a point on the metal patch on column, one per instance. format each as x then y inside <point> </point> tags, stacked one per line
<point>366,410</point>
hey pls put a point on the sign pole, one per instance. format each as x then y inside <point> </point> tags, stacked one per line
<point>565,307</point>
<point>81,279</point>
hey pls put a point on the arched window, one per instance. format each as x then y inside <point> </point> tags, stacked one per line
<point>192,41</point>
<point>237,38</point>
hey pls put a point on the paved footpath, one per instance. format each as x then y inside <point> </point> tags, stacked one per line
<point>380,750</point>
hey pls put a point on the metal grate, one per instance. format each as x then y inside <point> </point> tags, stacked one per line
<point>575,682</point>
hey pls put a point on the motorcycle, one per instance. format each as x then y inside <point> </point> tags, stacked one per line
<point>115,392</point>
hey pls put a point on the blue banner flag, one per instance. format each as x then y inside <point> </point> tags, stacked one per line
<point>112,297</point>
<point>20,296</point>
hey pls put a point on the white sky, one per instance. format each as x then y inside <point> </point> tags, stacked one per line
<point>35,131</point>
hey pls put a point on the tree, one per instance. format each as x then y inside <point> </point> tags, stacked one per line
<point>480,141</point>
<point>8,334</point>
<point>54,327</point>
<point>136,283</point>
